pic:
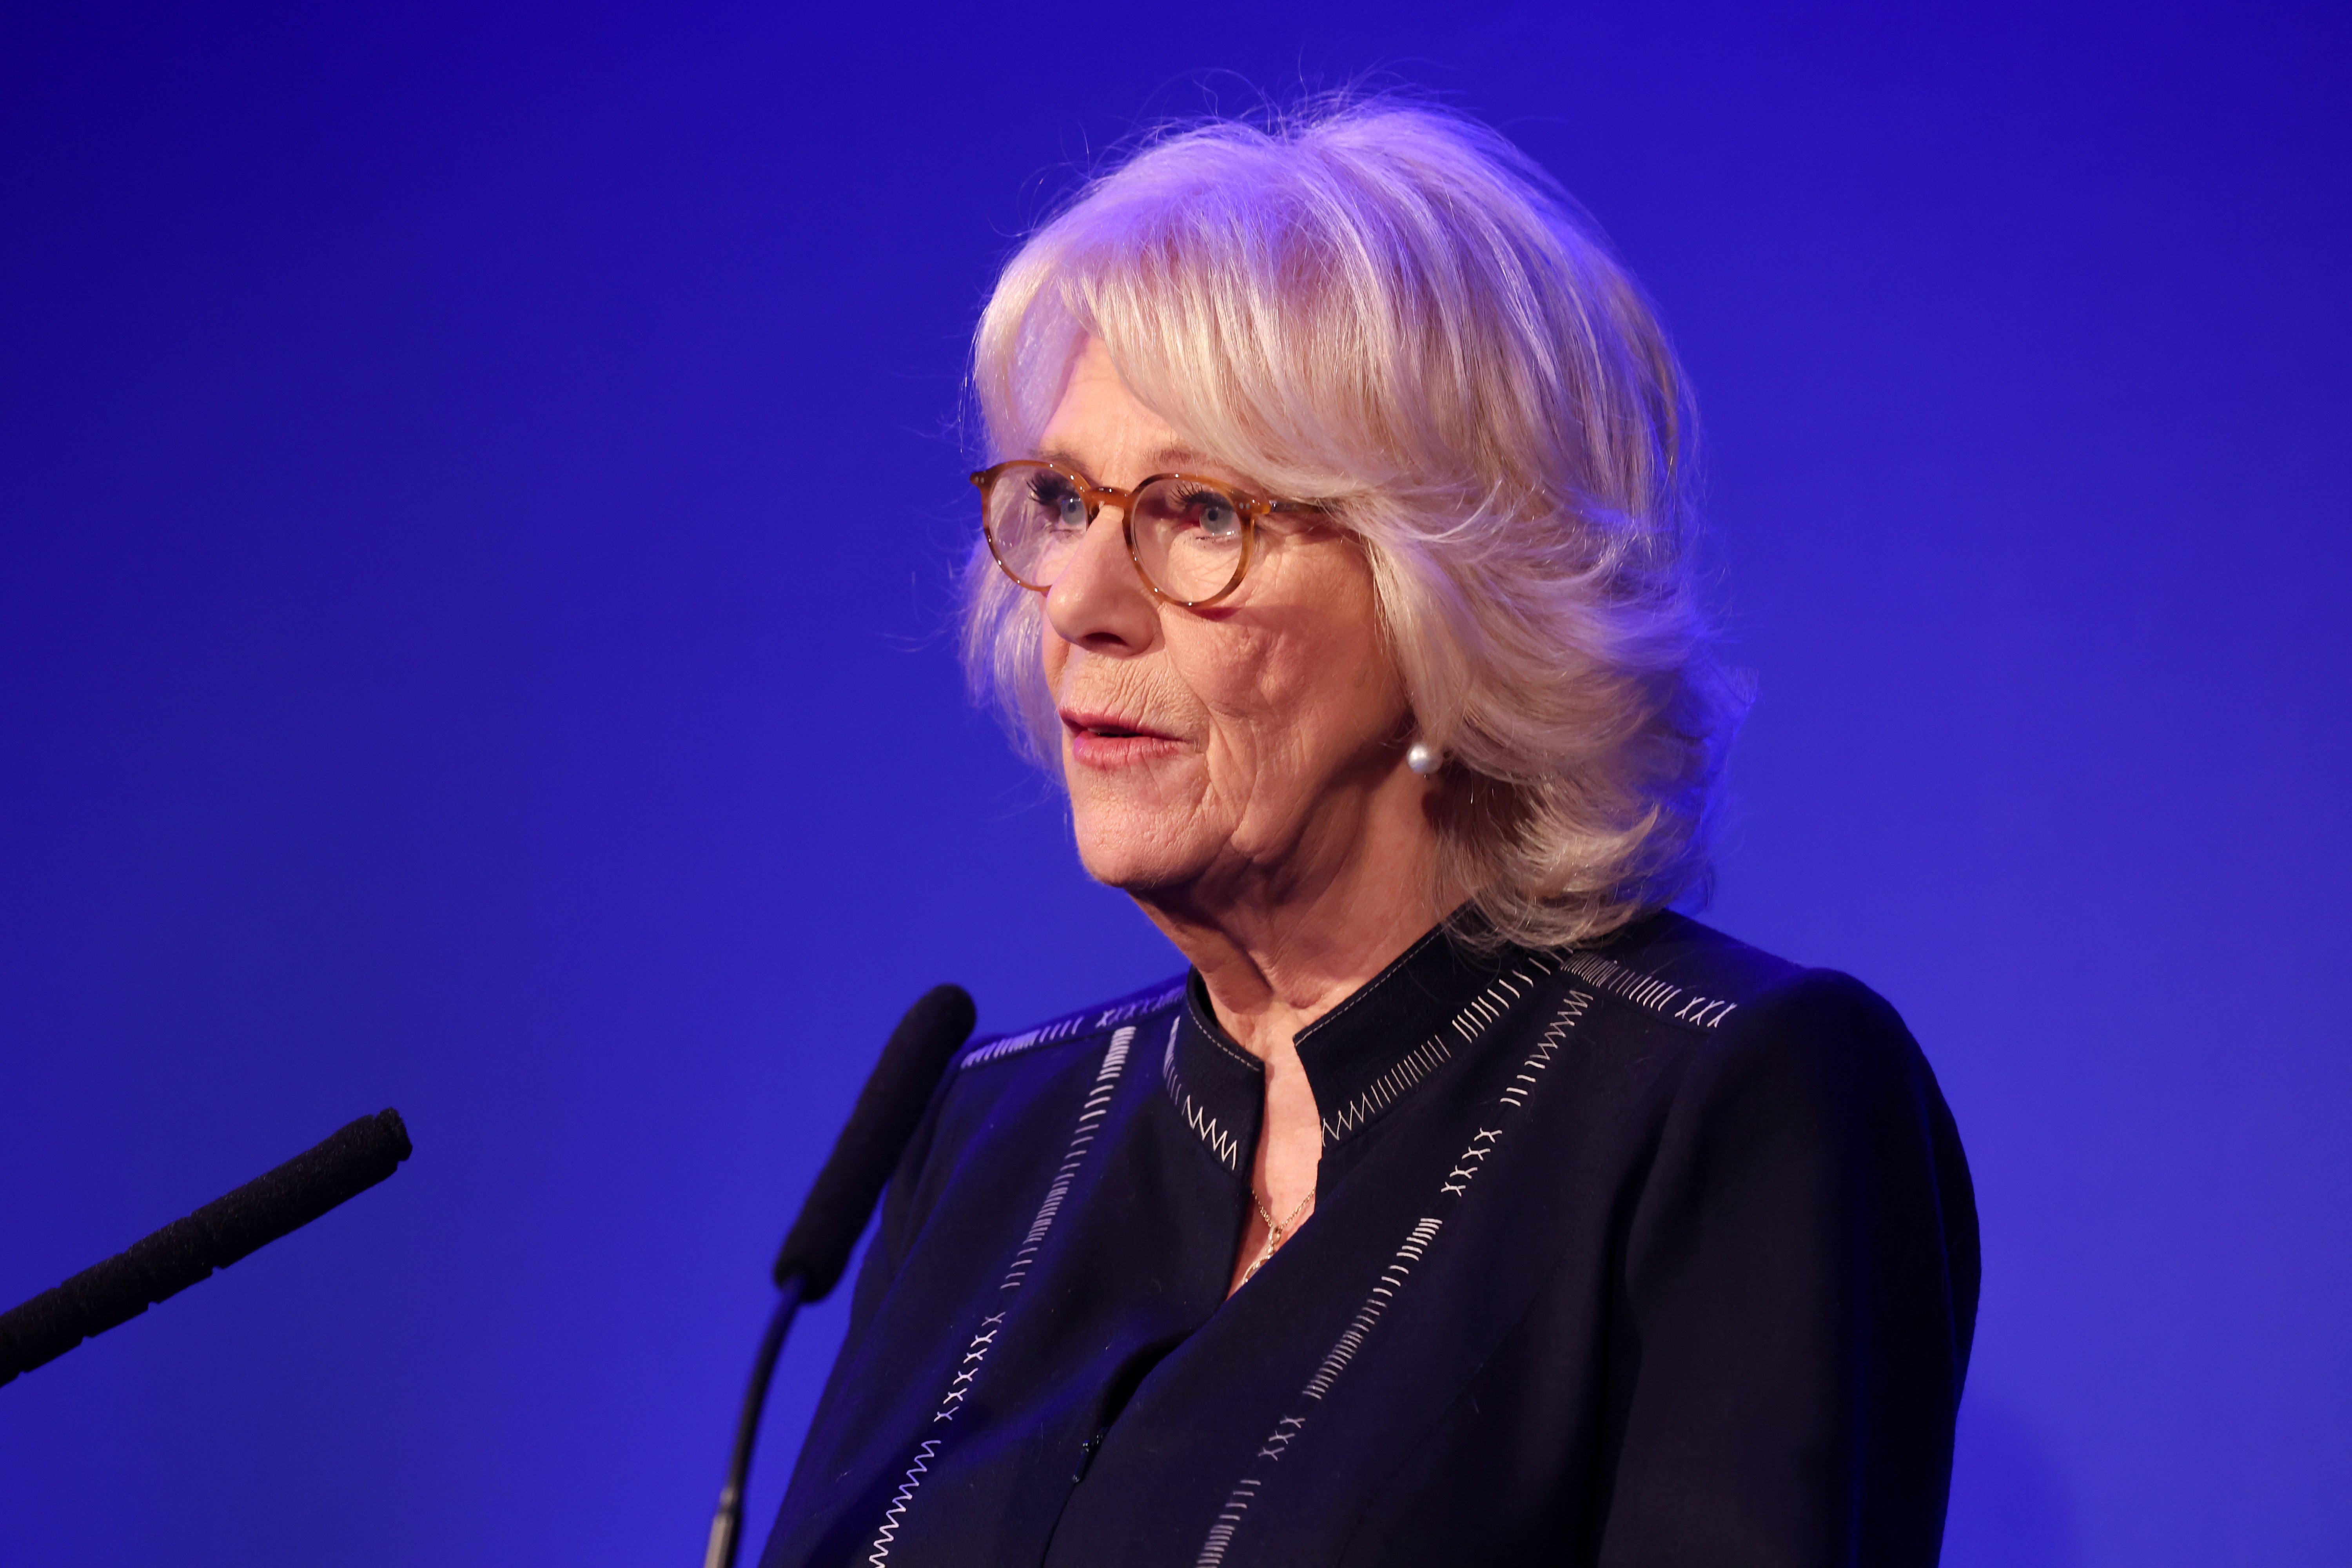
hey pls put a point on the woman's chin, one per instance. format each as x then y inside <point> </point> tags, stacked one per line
<point>1133,850</point>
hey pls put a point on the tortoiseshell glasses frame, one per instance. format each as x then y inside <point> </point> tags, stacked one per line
<point>1192,541</point>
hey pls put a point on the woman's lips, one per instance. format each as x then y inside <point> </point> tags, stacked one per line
<point>1106,741</point>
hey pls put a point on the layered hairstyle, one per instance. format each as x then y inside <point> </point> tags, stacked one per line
<point>1389,309</point>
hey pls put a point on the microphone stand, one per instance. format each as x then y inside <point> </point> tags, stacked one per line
<point>727,1524</point>
<point>817,1248</point>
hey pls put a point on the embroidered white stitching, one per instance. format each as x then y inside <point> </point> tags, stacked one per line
<point>1648,990</point>
<point>1136,1009</point>
<point>1219,1538</point>
<point>898,1503</point>
<point>1222,1143</point>
<point>1434,1052</point>
<point>1090,1117</point>
<point>1065,1028</point>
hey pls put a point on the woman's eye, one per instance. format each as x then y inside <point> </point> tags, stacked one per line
<point>1062,505</point>
<point>1213,515</point>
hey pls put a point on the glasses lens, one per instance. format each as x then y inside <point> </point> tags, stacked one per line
<point>1035,518</point>
<point>1190,537</point>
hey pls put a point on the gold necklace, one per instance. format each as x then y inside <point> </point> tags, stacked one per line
<point>1276,1233</point>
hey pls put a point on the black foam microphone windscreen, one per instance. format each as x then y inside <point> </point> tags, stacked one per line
<point>886,1113</point>
<point>214,1237</point>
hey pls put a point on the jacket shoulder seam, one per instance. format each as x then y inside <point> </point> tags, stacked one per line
<point>1663,998</point>
<point>1071,1027</point>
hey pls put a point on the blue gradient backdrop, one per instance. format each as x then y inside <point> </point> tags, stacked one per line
<point>477,489</point>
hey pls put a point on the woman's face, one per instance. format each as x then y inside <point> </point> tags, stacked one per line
<point>1215,752</point>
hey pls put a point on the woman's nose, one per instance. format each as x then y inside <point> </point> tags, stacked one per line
<point>1100,601</point>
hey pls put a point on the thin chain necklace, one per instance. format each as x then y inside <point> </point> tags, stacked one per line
<point>1276,1233</point>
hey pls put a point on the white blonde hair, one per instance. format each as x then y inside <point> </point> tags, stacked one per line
<point>1389,308</point>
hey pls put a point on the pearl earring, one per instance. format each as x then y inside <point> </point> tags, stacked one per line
<point>1422,758</point>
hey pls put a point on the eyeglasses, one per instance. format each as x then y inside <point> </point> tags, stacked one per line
<point>1192,541</point>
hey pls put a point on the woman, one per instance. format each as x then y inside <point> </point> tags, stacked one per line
<point>1462,1203</point>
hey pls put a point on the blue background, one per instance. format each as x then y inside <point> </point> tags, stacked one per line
<point>479,487</point>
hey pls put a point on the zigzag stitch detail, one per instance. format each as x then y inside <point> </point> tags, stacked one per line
<point>1222,1143</point>
<point>1219,1538</point>
<point>1090,1117</point>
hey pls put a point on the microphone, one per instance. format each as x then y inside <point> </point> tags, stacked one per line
<point>817,1247</point>
<point>214,1237</point>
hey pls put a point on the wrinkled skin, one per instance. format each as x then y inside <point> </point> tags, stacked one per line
<point>1238,770</point>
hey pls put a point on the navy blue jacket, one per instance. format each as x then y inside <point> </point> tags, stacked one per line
<point>1661,1252</point>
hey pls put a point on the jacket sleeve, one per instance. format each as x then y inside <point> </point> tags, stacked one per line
<point>1800,1289</point>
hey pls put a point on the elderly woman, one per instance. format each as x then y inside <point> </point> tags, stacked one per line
<point>1461,1203</point>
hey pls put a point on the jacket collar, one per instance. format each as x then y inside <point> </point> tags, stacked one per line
<point>1363,1059</point>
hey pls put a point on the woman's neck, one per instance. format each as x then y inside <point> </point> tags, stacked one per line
<point>1279,944</point>
<point>1276,950</point>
